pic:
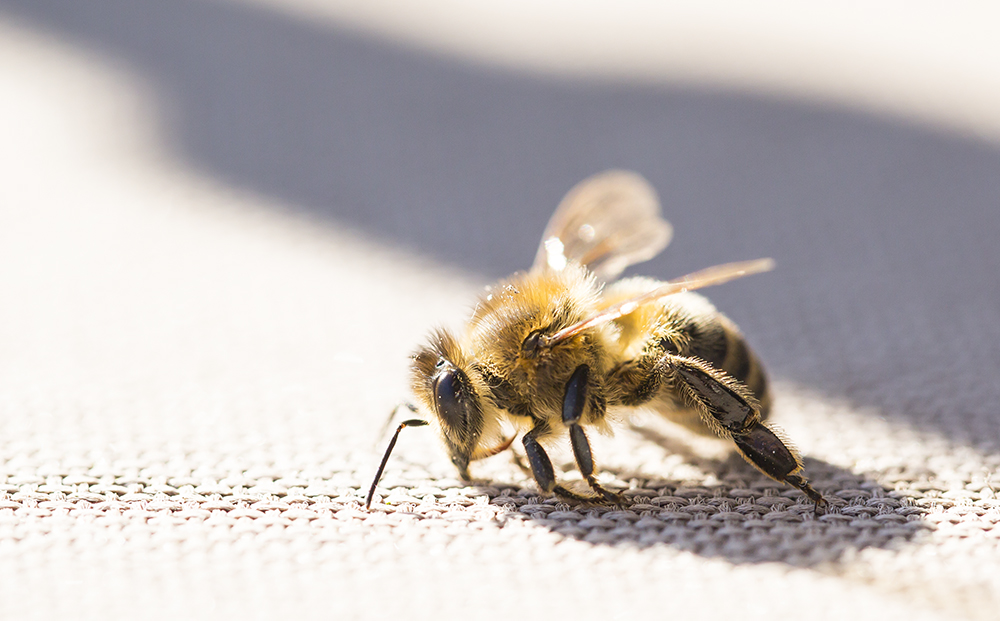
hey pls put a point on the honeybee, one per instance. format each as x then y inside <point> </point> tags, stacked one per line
<point>552,351</point>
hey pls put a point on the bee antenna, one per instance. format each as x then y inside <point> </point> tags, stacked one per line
<point>392,416</point>
<point>413,422</point>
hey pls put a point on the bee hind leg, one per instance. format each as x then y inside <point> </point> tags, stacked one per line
<point>764,449</point>
<point>730,408</point>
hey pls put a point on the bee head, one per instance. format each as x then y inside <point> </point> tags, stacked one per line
<point>440,381</point>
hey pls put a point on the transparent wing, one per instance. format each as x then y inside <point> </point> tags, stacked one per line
<point>605,223</point>
<point>697,280</point>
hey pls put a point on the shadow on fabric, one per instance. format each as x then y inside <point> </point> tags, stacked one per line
<point>887,289</point>
<point>736,514</point>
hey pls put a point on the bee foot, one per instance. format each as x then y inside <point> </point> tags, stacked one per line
<point>559,490</point>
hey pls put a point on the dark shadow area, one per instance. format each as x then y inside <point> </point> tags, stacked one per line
<point>729,511</point>
<point>746,518</point>
<point>887,291</point>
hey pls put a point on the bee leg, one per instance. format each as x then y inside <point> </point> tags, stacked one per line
<point>574,403</point>
<point>765,450</point>
<point>541,465</point>
<point>729,407</point>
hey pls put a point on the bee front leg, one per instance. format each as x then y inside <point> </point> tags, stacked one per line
<point>538,459</point>
<point>541,465</point>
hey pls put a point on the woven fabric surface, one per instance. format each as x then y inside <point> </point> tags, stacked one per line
<point>210,283</point>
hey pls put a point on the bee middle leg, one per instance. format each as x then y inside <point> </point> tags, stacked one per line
<point>725,405</point>
<point>574,403</point>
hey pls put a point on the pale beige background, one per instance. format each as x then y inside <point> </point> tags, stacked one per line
<point>224,226</point>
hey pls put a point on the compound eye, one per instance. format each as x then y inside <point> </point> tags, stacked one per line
<point>451,396</point>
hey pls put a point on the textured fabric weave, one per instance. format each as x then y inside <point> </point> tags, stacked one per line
<point>222,232</point>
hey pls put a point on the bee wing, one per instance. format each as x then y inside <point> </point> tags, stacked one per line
<point>697,280</point>
<point>605,223</point>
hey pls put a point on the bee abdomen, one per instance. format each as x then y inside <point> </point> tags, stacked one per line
<point>742,364</point>
<point>716,340</point>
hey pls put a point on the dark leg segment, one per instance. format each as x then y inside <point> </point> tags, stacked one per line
<point>541,465</point>
<point>733,409</point>
<point>581,450</point>
<point>574,403</point>
<point>585,461</point>
<point>764,449</point>
<point>575,397</point>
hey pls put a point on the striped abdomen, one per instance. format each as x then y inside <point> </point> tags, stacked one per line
<point>695,328</point>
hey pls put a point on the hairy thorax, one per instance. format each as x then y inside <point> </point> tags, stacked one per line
<point>529,381</point>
